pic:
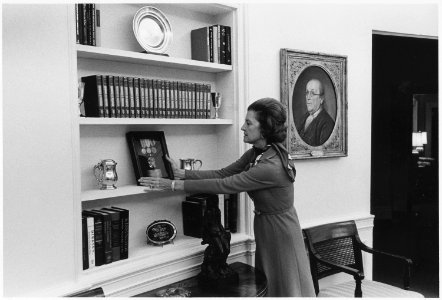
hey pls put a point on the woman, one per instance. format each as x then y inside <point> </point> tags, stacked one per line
<point>267,175</point>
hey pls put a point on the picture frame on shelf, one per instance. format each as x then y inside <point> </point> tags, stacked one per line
<point>148,150</point>
<point>314,91</point>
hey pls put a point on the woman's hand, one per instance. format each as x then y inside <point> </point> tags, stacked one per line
<point>161,184</point>
<point>156,183</point>
<point>177,172</point>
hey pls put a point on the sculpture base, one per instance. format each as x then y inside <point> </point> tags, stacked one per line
<point>220,281</point>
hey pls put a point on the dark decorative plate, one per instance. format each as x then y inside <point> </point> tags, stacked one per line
<point>161,232</point>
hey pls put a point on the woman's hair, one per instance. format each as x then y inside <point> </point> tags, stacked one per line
<point>272,117</point>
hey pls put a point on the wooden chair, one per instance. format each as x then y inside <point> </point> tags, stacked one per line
<point>335,248</point>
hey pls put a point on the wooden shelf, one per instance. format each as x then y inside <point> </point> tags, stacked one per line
<point>114,55</point>
<point>120,191</point>
<point>146,121</point>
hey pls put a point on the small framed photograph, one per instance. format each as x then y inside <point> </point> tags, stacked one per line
<point>148,150</point>
<point>314,91</point>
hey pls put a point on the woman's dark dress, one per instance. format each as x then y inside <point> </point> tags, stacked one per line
<point>280,250</point>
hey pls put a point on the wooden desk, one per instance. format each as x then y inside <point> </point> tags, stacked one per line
<point>252,283</point>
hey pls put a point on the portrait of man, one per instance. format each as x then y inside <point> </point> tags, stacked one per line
<point>314,106</point>
<point>314,89</point>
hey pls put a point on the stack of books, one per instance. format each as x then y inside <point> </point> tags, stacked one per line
<point>105,235</point>
<point>194,210</point>
<point>87,20</point>
<point>212,44</point>
<point>109,96</point>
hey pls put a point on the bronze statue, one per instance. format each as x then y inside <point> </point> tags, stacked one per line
<point>214,269</point>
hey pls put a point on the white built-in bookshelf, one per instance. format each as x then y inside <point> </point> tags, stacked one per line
<point>216,142</point>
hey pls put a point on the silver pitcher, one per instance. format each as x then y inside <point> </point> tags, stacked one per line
<point>106,174</point>
<point>190,163</point>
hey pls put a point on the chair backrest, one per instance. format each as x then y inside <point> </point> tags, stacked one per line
<point>335,242</point>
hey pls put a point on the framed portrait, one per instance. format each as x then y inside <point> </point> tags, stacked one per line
<point>148,150</point>
<point>314,91</point>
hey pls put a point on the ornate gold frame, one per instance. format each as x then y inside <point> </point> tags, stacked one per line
<point>293,64</point>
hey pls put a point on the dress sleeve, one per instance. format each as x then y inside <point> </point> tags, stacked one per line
<point>234,168</point>
<point>266,174</point>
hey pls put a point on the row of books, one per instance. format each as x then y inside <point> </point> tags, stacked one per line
<point>194,209</point>
<point>105,234</point>
<point>108,96</point>
<point>87,19</point>
<point>212,44</point>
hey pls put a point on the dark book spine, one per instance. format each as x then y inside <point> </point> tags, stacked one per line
<point>173,101</point>
<point>117,96</point>
<point>124,238</point>
<point>216,44</point>
<point>93,96</point>
<point>126,97</point>
<point>211,58</point>
<point>208,101</point>
<point>177,99</point>
<point>163,98</point>
<point>167,106</point>
<point>155,97</point>
<point>142,99</point>
<point>84,39</point>
<point>105,98</point>
<point>193,213</point>
<point>192,100</point>
<point>199,108</point>
<point>222,47</point>
<point>200,44</point>
<point>130,84</point>
<point>228,46</point>
<point>121,93</point>
<point>88,24</point>
<point>107,240</point>
<point>180,100</point>
<point>111,96</point>
<point>186,100</point>
<point>196,101</point>
<point>107,236</point>
<point>85,248</point>
<point>226,212</point>
<point>146,97</point>
<point>137,97</point>
<point>233,212</point>
<point>93,25</point>
<point>77,23</point>
<point>115,232</point>
<point>150,98</point>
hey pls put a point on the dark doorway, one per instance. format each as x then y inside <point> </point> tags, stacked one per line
<point>404,175</point>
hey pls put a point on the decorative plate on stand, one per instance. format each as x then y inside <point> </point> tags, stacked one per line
<point>152,30</point>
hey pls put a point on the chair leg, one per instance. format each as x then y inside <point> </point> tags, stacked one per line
<point>358,289</point>
<point>407,275</point>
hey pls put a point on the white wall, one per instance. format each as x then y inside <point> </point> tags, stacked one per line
<point>333,188</point>
<point>38,239</point>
